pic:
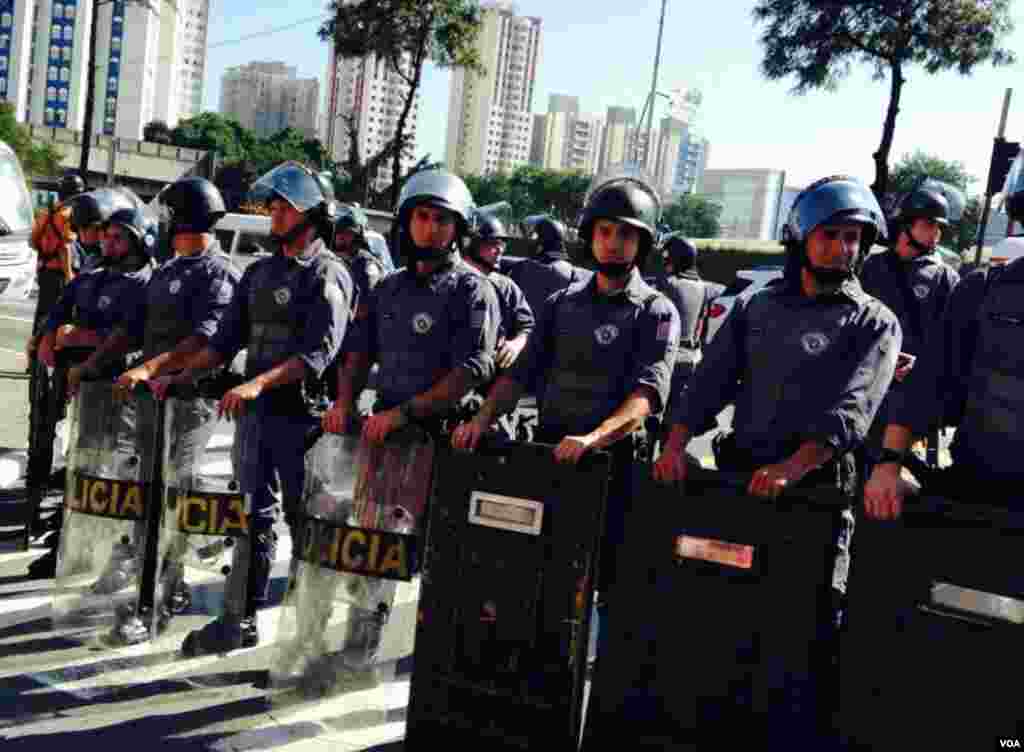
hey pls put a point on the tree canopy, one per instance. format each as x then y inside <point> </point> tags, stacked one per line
<point>695,216</point>
<point>816,43</point>
<point>39,159</point>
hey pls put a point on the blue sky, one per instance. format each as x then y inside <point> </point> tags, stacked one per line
<point>603,52</point>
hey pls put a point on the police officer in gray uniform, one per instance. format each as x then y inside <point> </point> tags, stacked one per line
<point>290,311</point>
<point>431,326</point>
<point>915,283</point>
<point>548,270</point>
<point>602,354</point>
<point>484,253</point>
<point>350,244</point>
<point>690,295</point>
<point>973,377</point>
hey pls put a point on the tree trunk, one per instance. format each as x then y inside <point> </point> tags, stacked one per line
<point>410,97</point>
<point>881,156</point>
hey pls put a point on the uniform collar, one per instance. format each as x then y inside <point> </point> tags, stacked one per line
<point>308,255</point>
<point>550,257</point>
<point>451,262</point>
<point>212,248</point>
<point>850,289</point>
<point>634,291</point>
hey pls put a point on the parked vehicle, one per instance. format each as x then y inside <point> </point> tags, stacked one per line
<point>17,258</point>
<point>746,284</point>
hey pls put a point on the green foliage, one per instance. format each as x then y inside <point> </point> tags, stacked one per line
<point>967,232</point>
<point>404,34</point>
<point>914,167</point>
<point>816,43</point>
<point>695,216</point>
<point>533,190</point>
<point>37,159</point>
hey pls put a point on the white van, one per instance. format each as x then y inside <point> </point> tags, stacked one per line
<point>17,259</point>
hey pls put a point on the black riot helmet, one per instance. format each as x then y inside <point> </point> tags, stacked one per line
<point>838,198</point>
<point>352,218</point>
<point>924,202</point>
<point>305,191</point>
<point>96,207</point>
<point>191,205</point>
<point>141,225</point>
<point>625,195</point>
<point>486,228</point>
<point>71,184</point>
<point>679,252</point>
<point>439,189</point>
<point>1013,190</point>
<point>546,233</point>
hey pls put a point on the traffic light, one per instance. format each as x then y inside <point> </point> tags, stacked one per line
<point>1003,154</point>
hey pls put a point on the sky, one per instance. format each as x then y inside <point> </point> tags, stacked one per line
<point>602,51</point>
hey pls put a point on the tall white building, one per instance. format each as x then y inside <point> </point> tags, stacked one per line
<point>489,116</point>
<point>372,92</point>
<point>267,97</point>
<point>563,139</point>
<point>150,61</point>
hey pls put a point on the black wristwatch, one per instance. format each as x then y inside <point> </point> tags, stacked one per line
<point>891,455</point>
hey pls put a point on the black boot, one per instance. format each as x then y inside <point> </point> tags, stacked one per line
<point>45,567</point>
<point>221,636</point>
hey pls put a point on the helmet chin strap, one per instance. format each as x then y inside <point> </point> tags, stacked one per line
<point>283,241</point>
<point>615,270</point>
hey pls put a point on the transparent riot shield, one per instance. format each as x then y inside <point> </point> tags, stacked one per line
<point>351,613</point>
<point>112,452</point>
<point>203,544</point>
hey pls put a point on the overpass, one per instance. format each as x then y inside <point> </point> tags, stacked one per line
<point>143,166</point>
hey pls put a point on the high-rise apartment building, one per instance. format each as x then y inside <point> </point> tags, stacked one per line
<point>371,93</point>
<point>149,63</point>
<point>617,142</point>
<point>563,139</point>
<point>489,116</point>
<point>267,97</point>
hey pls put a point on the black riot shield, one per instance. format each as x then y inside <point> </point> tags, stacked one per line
<point>108,500</point>
<point>719,621</point>
<point>936,618</point>
<point>351,613</point>
<point>203,543</point>
<point>508,573</point>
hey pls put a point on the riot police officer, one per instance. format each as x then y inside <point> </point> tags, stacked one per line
<point>690,295</point>
<point>290,311</point>
<point>101,311</point>
<point>350,244</point>
<point>431,327</point>
<point>972,378</point>
<point>548,268</point>
<point>602,353</point>
<point>484,252</point>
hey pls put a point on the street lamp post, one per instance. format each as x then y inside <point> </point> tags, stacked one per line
<point>654,79</point>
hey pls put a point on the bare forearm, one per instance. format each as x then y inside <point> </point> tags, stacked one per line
<point>443,395</point>
<point>175,359</point>
<point>203,360</point>
<point>627,418</point>
<point>292,370</point>
<point>810,456</point>
<point>352,377</point>
<point>897,437</point>
<point>118,343</point>
<point>503,398</point>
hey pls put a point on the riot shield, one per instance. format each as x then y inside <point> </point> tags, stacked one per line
<point>203,544</point>
<point>718,620</point>
<point>112,448</point>
<point>351,613</point>
<point>503,627</point>
<point>936,621</point>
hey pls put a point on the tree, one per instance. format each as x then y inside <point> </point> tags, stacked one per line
<point>404,34</point>
<point>157,132</point>
<point>216,133</point>
<point>41,159</point>
<point>695,216</point>
<point>912,168</point>
<point>818,42</point>
<point>533,190</point>
<point>967,232</point>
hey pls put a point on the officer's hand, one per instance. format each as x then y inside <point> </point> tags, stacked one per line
<point>467,436</point>
<point>885,492</point>
<point>128,380</point>
<point>379,426</point>
<point>508,351</point>
<point>672,465</point>
<point>46,351</point>
<point>232,404</point>
<point>572,448</point>
<point>337,419</point>
<point>771,481</point>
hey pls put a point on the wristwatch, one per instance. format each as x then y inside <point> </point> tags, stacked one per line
<point>891,455</point>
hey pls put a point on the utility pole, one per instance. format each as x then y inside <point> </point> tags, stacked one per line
<point>1003,153</point>
<point>654,81</point>
<point>90,91</point>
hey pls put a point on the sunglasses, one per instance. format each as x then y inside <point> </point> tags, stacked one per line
<point>850,237</point>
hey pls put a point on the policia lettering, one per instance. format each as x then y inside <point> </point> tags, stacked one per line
<point>376,553</point>
<point>208,513</point>
<point>103,497</point>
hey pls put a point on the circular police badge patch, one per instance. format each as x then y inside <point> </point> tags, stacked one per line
<point>422,323</point>
<point>104,303</point>
<point>606,334</point>
<point>921,291</point>
<point>282,295</point>
<point>814,343</point>
<point>175,286</point>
